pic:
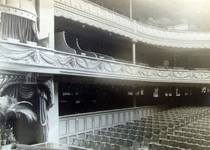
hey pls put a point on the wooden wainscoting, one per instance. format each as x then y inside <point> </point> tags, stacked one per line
<point>71,126</point>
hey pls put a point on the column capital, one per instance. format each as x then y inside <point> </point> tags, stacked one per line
<point>134,40</point>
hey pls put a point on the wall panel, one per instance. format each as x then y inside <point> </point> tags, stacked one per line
<point>77,125</point>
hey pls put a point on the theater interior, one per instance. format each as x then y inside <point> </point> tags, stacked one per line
<point>104,75</point>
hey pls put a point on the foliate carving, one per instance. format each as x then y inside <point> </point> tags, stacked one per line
<point>182,74</point>
<point>64,61</point>
<point>46,59</point>
<point>7,77</point>
<point>100,17</point>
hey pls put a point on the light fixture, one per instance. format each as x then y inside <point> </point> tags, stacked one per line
<point>137,93</point>
<point>177,92</point>
<point>204,90</point>
<point>142,92</point>
<point>155,93</point>
<point>186,93</point>
<point>130,93</point>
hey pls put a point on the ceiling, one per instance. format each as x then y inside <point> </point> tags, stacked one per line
<point>165,13</point>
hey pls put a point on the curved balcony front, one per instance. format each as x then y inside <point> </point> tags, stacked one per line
<point>92,14</point>
<point>22,57</point>
<point>18,21</point>
<point>21,8</point>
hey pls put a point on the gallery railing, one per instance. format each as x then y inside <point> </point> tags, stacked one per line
<point>93,14</point>
<point>28,58</point>
<point>71,126</point>
<point>43,146</point>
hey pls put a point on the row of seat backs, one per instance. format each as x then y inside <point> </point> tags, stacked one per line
<point>29,147</point>
<point>69,44</point>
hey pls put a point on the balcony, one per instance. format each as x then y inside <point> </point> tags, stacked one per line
<point>28,58</point>
<point>92,14</point>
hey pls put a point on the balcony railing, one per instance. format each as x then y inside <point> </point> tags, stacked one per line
<point>93,14</point>
<point>24,57</point>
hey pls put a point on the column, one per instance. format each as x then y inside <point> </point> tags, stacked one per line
<point>53,116</point>
<point>174,60</point>
<point>131,9</point>
<point>134,51</point>
<point>46,22</point>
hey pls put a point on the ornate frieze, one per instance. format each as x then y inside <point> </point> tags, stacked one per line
<point>92,14</point>
<point>18,12</point>
<point>22,57</point>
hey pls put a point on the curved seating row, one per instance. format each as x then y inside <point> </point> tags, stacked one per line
<point>154,132</point>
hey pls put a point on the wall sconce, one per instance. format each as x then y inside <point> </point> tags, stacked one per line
<point>130,93</point>
<point>177,92</point>
<point>137,93</point>
<point>155,93</point>
<point>142,92</point>
<point>204,90</point>
<point>186,93</point>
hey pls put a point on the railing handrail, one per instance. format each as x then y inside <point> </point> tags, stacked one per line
<point>102,112</point>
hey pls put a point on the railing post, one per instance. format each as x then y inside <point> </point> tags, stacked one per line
<point>134,51</point>
<point>174,59</point>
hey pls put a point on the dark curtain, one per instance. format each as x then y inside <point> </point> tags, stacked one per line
<point>40,96</point>
<point>16,27</point>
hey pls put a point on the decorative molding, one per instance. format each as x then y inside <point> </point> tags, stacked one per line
<point>75,14</point>
<point>18,12</point>
<point>7,78</point>
<point>22,57</point>
<point>92,14</point>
